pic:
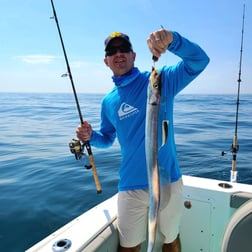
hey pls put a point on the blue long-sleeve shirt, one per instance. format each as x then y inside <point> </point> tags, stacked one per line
<point>123,115</point>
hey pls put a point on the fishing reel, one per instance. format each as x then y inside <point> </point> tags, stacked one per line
<point>77,148</point>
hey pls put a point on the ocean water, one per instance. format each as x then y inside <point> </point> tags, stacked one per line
<point>42,186</point>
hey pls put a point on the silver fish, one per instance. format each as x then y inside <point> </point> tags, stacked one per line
<point>151,149</point>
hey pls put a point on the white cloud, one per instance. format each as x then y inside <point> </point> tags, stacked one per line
<point>37,59</point>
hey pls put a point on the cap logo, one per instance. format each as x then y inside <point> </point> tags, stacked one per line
<point>115,34</point>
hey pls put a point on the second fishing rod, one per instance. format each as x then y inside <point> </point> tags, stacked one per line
<point>76,147</point>
<point>235,146</point>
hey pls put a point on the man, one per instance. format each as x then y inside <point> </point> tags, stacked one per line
<point>123,116</point>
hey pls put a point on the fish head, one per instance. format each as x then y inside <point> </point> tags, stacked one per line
<point>155,80</point>
<point>155,87</point>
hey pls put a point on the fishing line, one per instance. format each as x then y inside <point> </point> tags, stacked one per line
<point>75,146</point>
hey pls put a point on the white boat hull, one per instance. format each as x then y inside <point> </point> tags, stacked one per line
<point>209,206</point>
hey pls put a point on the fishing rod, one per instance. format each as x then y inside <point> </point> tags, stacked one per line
<point>235,146</point>
<point>76,147</point>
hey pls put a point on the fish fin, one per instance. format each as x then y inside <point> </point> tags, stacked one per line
<point>165,124</point>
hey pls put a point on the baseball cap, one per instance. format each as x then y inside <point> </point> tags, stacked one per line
<point>117,35</point>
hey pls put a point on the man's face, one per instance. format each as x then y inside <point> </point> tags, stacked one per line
<point>120,62</point>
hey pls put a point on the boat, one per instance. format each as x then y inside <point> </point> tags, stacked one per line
<point>217,217</point>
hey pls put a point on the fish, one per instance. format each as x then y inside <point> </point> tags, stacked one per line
<point>151,151</point>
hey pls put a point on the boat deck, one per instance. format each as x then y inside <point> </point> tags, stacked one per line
<point>208,207</point>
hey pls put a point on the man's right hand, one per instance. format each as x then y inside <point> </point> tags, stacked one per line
<point>84,132</point>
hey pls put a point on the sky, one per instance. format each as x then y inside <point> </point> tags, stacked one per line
<point>32,60</point>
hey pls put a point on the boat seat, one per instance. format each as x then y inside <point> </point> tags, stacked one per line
<point>237,236</point>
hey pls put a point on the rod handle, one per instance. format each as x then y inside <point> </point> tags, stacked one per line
<point>94,171</point>
<point>95,175</point>
<point>234,151</point>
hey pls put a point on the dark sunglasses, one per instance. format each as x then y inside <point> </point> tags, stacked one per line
<point>113,50</point>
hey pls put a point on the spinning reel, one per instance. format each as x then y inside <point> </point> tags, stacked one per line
<point>77,148</point>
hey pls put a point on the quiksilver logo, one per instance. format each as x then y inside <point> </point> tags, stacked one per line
<point>126,111</point>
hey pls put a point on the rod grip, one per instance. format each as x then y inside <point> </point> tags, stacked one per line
<point>95,175</point>
<point>234,151</point>
<point>94,171</point>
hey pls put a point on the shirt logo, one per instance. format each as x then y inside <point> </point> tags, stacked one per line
<point>126,111</point>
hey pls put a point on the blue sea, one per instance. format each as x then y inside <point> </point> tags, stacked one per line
<point>42,186</point>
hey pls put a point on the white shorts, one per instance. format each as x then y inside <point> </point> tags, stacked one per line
<point>133,214</point>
